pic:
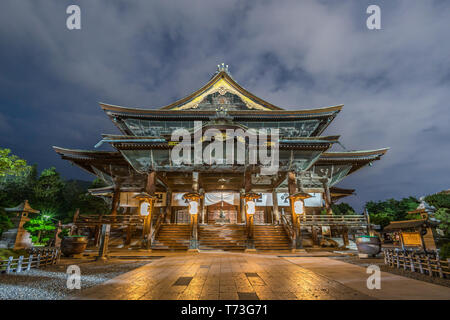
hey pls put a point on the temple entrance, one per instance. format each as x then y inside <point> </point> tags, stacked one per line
<point>222,213</point>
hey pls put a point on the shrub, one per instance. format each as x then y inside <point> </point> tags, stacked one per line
<point>444,251</point>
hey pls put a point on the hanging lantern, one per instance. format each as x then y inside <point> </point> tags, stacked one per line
<point>298,204</point>
<point>193,201</point>
<point>250,202</point>
<point>146,200</point>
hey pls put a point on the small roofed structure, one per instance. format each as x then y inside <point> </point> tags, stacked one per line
<point>414,233</point>
<point>23,208</point>
<point>18,237</point>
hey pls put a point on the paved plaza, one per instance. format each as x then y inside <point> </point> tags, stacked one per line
<point>225,276</point>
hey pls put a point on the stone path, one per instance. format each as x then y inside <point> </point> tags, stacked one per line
<point>355,277</point>
<point>225,276</point>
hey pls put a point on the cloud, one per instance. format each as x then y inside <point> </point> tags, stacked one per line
<point>394,82</point>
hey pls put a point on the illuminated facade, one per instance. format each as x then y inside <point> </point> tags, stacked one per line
<point>142,162</point>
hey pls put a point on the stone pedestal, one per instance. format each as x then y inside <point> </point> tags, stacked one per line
<point>17,237</point>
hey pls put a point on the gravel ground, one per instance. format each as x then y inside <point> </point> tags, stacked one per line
<point>400,272</point>
<point>49,283</point>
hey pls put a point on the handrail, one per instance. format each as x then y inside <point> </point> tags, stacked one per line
<point>287,227</point>
<point>157,226</point>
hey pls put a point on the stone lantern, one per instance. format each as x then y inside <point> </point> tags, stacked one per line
<point>18,237</point>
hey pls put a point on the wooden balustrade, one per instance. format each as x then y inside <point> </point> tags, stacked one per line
<point>418,261</point>
<point>96,220</point>
<point>39,257</point>
<point>317,220</point>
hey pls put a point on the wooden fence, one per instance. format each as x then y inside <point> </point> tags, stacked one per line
<point>418,261</point>
<point>38,258</point>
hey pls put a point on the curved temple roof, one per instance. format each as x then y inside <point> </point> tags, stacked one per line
<point>222,102</point>
<point>220,91</point>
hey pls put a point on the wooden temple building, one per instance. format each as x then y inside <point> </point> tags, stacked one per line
<point>236,206</point>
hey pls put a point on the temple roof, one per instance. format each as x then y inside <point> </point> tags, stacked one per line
<point>406,224</point>
<point>357,159</point>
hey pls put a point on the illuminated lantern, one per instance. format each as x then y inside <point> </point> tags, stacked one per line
<point>193,207</point>
<point>251,207</point>
<point>250,202</point>
<point>298,207</point>
<point>146,200</point>
<point>193,200</point>
<point>145,208</point>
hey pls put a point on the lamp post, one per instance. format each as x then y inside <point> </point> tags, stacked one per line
<point>250,209</point>
<point>145,210</point>
<point>297,209</point>
<point>193,199</point>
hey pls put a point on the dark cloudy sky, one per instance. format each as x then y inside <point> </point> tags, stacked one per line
<point>394,82</point>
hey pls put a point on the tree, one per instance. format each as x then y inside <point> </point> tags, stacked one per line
<point>5,222</point>
<point>41,229</point>
<point>48,192</point>
<point>11,164</point>
<point>443,215</point>
<point>383,212</point>
<point>342,208</point>
<point>439,200</point>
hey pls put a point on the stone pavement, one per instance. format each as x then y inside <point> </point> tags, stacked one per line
<point>355,277</point>
<point>232,276</point>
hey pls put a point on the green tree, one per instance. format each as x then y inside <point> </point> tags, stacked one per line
<point>41,229</point>
<point>383,212</point>
<point>342,208</point>
<point>439,200</point>
<point>443,215</point>
<point>11,164</point>
<point>5,222</point>
<point>48,189</point>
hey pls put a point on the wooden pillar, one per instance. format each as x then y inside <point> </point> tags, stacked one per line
<point>275,212</point>
<point>327,196</point>
<point>345,236</point>
<point>202,206</point>
<point>115,198</point>
<point>168,217</point>
<point>104,240</point>
<point>242,207</point>
<point>150,188</point>
<point>74,220</point>
<point>314,235</point>
<point>292,188</point>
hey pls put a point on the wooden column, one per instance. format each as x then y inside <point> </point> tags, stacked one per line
<point>314,235</point>
<point>345,236</point>
<point>202,206</point>
<point>292,188</point>
<point>242,207</point>
<point>150,188</point>
<point>327,196</point>
<point>115,198</point>
<point>104,240</point>
<point>168,217</point>
<point>275,211</point>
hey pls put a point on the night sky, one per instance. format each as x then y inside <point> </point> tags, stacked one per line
<point>394,82</point>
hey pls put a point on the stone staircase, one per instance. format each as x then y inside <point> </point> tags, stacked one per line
<point>271,238</point>
<point>172,237</point>
<point>222,237</point>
